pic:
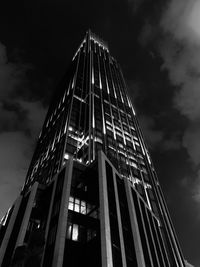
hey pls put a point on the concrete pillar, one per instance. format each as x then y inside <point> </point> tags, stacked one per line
<point>106,249</point>
<point>119,223</point>
<point>134,226</point>
<point>25,221</point>
<point>9,228</point>
<point>62,221</point>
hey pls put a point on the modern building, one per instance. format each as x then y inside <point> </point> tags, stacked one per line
<point>91,196</point>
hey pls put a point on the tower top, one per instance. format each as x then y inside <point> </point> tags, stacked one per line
<point>92,36</point>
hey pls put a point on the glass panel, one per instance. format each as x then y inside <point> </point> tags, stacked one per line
<point>77,200</point>
<point>83,207</point>
<point>69,231</point>
<point>76,208</point>
<point>75,232</point>
<point>71,199</point>
<point>71,206</point>
<point>88,208</point>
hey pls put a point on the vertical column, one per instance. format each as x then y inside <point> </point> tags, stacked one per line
<point>62,221</point>
<point>24,225</point>
<point>106,249</point>
<point>89,74</point>
<point>9,228</point>
<point>119,223</point>
<point>134,225</point>
<point>49,216</point>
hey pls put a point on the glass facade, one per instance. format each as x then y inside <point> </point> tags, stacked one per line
<point>110,207</point>
<point>92,112</point>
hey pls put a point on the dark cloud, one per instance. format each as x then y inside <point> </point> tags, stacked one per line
<point>181,53</point>
<point>14,159</point>
<point>12,75</point>
<point>171,144</point>
<point>152,136</point>
<point>148,34</point>
<point>187,264</point>
<point>192,184</point>
<point>191,142</point>
<point>35,114</point>
<point>135,5</point>
<point>156,138</point>
<point>20,122</point>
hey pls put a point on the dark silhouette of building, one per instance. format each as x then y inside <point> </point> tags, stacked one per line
<point>91,196</point>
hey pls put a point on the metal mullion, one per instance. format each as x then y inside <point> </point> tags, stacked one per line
<point>119,116</point>
<point>70,109</point>
<point>171,233</point>
<point>121,236</point>
<point>82,85</point>
<point>90,98</point>
<point>93,110</point>
<point>122,83</point>
<point>164,251</point>
<point>145,233</point>
<point>141,144</point>
<point>102,108</point>
<point>152,236</point>
<point>157,238</point>
<point>112,117</point>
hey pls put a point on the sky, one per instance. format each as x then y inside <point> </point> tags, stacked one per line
<point>157,44</point>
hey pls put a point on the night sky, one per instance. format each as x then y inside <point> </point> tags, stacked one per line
<point>156,42</point>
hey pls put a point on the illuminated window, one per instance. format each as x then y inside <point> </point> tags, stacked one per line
<point>71,203</point>
<point>83,207</point>
<point>69,231</point>
<point>77,205</point>
<point>66,156</point>
<point>75,232</point>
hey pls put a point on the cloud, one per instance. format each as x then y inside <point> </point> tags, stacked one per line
<point>196,188</point>
<point>14,158</point>
<point>187,264</point>
<point>192,185</point>
<point>35,114</point>
<point>180,51</point>
<point>9,119</point>
<point>148,33</point>
<point>16,150</point>
<point>191,142</point>
<point>171,144</point>
<point>12,74</point>
<point>152,136</point>
<point>21,118</point>
<point>156,138</point>
<point>181,19</point>
<point>135,5</point>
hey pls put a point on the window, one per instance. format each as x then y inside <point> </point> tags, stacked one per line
<point>80,206</point>
<point>69,231</point>
<point>71,204</point>
<point>90,234</point>
<point>77,205</point>
<point>79,233</point>
<point>83,207</point>
<point>75,232</point>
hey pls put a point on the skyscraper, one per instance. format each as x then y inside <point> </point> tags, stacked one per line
<point>91,196</point>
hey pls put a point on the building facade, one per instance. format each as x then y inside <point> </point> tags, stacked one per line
<point>91,196</point>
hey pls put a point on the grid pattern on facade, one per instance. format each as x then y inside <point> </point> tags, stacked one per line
<point>92,111</point>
